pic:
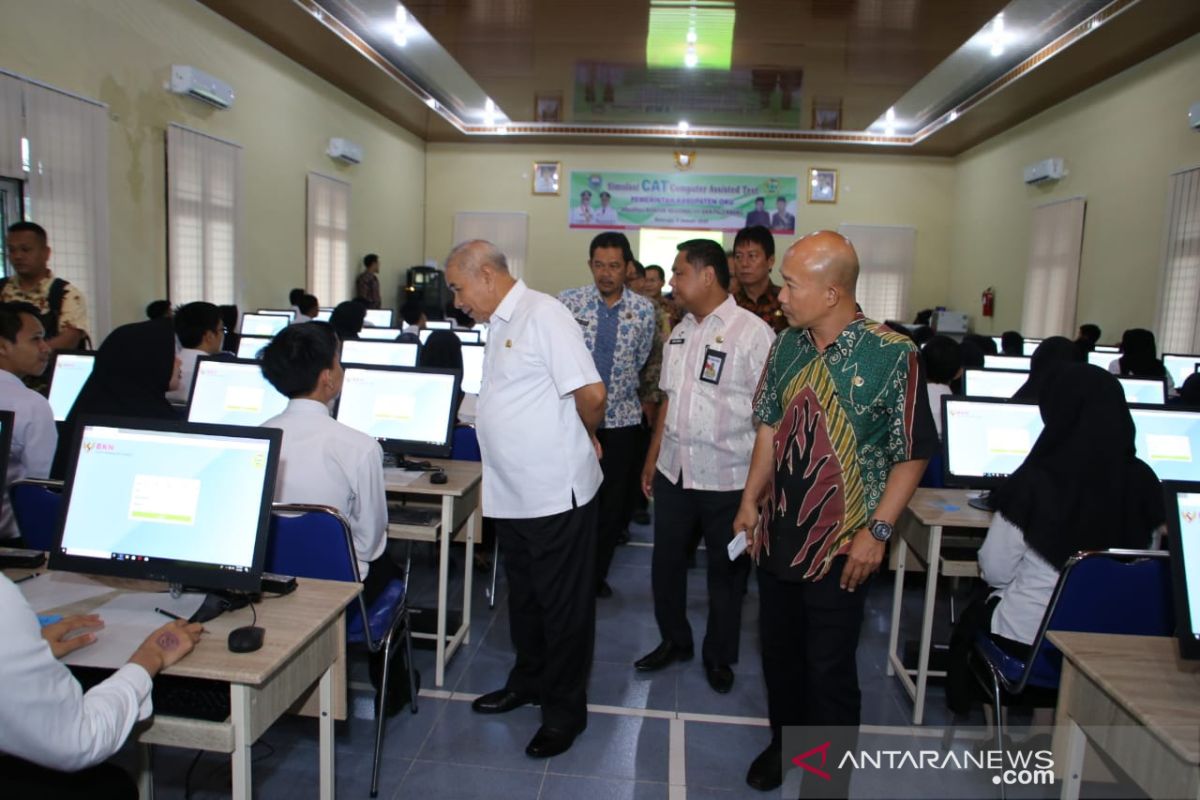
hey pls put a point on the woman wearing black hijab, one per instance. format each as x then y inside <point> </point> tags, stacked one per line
<point>134,369</point>
<point>443,349</point>
<point>1049,356</point>
<point>1139,358</point>
<point>1080,488</point>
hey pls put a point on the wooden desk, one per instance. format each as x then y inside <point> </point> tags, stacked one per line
<point>1131,697</point>
<point>459,502</point>
<point>305,641</point>
<point>929,512</point>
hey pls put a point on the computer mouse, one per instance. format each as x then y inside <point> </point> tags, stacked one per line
<point>438,477</point>
<point>246,640</point>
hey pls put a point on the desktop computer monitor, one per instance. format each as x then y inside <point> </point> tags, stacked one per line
<point>1147,391</point>
<point>1102,358</point>
<point>467,337</point>
<point>323,315</point>
<point>280,312</point>
<point>409,410</point>
<point>380,334</point>
<point>439,324</point>
<point>1181,367</point>
<point>379,317</point>
<point>248,346</point>
<point>1168,439</point>
<point>388,354</point>
<point>472,379</point>
<point>1107,348</point>
<point>1006,362</point>
<point>999,343</point>
<point>1029,346</point>
<point>1002,383</point>
<point>168,501</point>
<point>482,327</point>
<point>68,373</point>
<point>232,393</point>
<point>984,440</point>
<point>1183,526</point>
<point>262,324</point>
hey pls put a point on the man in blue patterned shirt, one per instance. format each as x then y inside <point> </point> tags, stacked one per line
<point>618,327</point>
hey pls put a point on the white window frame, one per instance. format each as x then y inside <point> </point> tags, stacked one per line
<point>328,235</point>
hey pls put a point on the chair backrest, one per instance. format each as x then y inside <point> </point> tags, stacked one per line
<point>1105,591</point>
<point>310,541</point>
<point>36,505</point>
<point>465,444</point>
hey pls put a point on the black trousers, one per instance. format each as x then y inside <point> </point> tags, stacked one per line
<point>550,565</point>
<point>20,778</point>
<point>621,472</point>
<point>809,632</point>
<point>677,512</point>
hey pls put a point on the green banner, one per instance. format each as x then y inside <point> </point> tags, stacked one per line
<point>631,200</point>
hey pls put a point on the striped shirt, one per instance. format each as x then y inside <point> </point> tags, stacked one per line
<point>710,369</point>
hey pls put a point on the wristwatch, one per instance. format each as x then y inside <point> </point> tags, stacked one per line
<point>882,531</point>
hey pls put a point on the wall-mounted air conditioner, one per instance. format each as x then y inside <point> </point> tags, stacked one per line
<point>345,151</point>
<point>1050,169</point>
<point>200,85</point>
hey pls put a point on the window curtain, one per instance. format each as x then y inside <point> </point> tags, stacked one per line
<point>328,239</point>
<point>1052,282</point>
<point>508,231</point>
<point>886,257</point>
<point>1179,302</point>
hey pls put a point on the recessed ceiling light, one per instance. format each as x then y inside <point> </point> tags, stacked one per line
<point>431,103</point>
<point>683,125</point>
<point>953,115</point>
<point>400,32</point>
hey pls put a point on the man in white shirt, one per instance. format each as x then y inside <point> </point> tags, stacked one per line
<point>307,309</point>
<point>23,351</point>
<point>699,457</point>
<point>605,214</point>
<point>539,407</point>
<point>584,214</point>
<point>200,331</point>
<point>55,736</point>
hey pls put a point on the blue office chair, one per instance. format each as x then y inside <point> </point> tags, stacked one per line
<point>1104,591</point>
<point>465,447</point>
<point>36,504</point>
<point>311,541</point>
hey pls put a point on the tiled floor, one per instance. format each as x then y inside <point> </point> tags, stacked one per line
<point>664,735</point>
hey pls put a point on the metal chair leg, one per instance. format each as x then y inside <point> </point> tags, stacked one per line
<point>413,689</point>
<point>495,568</point>
<point>381,713</point>
<point>998,718</point>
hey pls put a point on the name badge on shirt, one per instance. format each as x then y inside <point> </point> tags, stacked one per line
<point>676,341</point>
<point>714,364</point>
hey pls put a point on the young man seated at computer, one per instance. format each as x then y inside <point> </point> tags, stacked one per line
<point>55,735</point>
<point>23,351</point>
<point>1080,488</point>
<point>201,333</point>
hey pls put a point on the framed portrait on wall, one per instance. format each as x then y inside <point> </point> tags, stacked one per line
<point>545,176</point>
<point>827,114</point>
<point>547,107</point>
<point>822,185</point>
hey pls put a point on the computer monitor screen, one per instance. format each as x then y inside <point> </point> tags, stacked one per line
<point>323,315</point>
<point>381,334</point>
<point>439,324</point>
<point>984,440</point>
<point>1102,358</point>
<point>262,324</point>
<point>232,393</point>
<point>68,374</point>
<point>999,343</point>
<point>248,346</point>
<point>1029,346</point>
<point>168,501</point>
<point>279,312</point>
<point>1006,362</point>
<point>1107,348</point>
<point>379,317</point>
<point>482,327</point>
<point>389,354</point>
<point>1168,439</point>
<point>472,378</point>
<point>1001,383</point>
<point>425,334</point>
<point>1181,367</point>
<point>1183,526</point>
<point>467,337</point>
<point>1151,391</point>
<point>410,411</point>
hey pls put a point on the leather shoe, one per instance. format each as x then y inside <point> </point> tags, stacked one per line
<point>662,656</point>
<point>720,677</point>
<point>501,701</point>
<point>766,772</point>
<point>549,742</point>
<point>603,590</point>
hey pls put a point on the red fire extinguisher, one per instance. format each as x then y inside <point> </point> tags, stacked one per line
<point>989,302</point>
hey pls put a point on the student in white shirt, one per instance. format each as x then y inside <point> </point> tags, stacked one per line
<point>51,728</point>
<point>307,309</point>
<point>699,457</point>
<point>200,331</point>
<point>540,405</point>
<point>23,352</point>
<point>1080,488</point>
<point>943,364</point>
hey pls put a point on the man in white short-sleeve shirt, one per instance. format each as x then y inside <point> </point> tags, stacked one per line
<point>23,352</point>
<point>540,404</point>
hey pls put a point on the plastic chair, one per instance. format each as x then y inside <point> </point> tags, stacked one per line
<point>36,504</point>
<point>1102,591</point>
<point>465,447</point>
<point>312,541</point>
